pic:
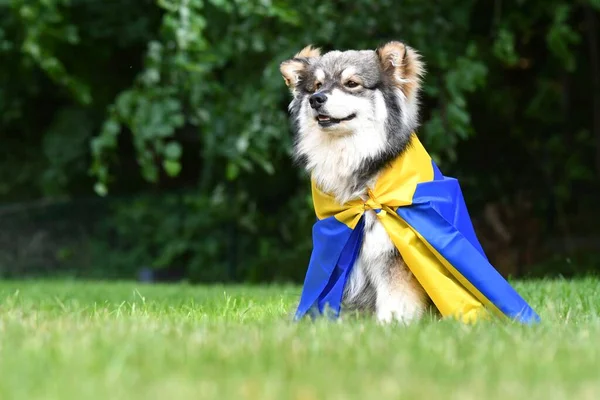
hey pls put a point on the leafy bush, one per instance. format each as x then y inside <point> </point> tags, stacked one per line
<point>180,103</point>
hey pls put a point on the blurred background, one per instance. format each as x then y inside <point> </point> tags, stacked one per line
<point>149,139</point>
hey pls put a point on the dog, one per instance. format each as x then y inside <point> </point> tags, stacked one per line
<point>352,113</point>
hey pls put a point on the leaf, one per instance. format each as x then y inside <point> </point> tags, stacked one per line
<point>504,47</point>
<point>232,171</point>
<point>171,167</point>
<point>173,151</point>
<point>100,189</point>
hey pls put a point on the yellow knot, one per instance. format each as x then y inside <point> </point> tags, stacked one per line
<point>371,203</point>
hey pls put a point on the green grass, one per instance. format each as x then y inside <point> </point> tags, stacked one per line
<point>74,340</point>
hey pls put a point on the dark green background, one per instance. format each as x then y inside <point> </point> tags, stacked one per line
<point>138,133</point>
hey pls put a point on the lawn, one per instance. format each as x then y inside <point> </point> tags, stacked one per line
<point>79,340</point>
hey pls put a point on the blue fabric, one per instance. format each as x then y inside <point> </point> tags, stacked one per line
<point>334,291</point>
<point>445,196</point>
<point>335,248</point>
<point>437,174</point>
<point>440,216</point>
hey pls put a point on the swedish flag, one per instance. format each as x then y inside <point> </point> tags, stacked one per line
<point>425,215</point>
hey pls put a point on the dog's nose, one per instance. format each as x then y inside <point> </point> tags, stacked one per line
<point>317,100</point>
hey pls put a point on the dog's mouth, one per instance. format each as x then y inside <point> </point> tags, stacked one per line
<point>326,121</point>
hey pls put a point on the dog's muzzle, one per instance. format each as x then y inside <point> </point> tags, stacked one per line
<point>317,100</point>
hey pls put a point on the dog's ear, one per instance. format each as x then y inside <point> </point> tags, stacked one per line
<point>294,69</point>
<point>309,52</point>
<point>403,65</point>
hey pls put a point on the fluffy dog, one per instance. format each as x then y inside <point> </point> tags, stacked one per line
<point>353,112</point>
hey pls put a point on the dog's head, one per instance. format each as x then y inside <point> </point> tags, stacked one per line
<point>353,111</point>
<point>370,95</point>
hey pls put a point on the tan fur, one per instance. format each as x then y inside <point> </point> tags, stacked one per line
<point>403,281</point>
<point>308,52</point>
<point>291,69</point>
<point>404,66</point>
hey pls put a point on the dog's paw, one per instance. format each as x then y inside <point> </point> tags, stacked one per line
<point>397,309</point>
<point>384,317</point>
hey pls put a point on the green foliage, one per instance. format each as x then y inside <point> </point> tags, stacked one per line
<point>44,28</point>
<point>135,96</point>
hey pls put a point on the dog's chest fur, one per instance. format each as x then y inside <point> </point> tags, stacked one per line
<point>379,264</point>
<point>334,161</point>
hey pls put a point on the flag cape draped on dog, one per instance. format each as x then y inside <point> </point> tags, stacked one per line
<point>426,217</point>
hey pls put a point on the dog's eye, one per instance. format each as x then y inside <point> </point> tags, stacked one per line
<point>318,85</point>
<point>351,84</point>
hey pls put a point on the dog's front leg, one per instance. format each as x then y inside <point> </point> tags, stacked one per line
<point>399,296</point>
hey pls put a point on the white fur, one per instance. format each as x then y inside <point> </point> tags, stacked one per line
<point>333,154</point>
<point>400,300</point>
<point>320,75</point>
<point>348,72</point>
<point>409,109</point>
